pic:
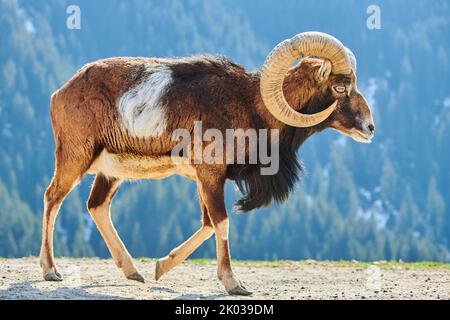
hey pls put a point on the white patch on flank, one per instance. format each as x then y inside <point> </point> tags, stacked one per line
<point>141,108</point>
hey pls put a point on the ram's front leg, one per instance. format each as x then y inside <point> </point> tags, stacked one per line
<point>180,253</point>
<point>212,192</point>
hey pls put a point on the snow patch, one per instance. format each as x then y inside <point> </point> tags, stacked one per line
<point>29,26</point>
<point>446,103</point>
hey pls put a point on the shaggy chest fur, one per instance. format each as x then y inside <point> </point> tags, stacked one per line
<point>132,167</point>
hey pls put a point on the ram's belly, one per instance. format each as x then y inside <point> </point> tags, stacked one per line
<point>131,167</point>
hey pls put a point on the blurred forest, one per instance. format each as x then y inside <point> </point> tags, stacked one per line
<point>388,200</point>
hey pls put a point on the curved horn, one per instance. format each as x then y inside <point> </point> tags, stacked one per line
<point>352,58</point>
<point>279,62</point>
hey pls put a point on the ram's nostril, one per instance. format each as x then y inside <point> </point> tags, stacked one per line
<point>371,127</point>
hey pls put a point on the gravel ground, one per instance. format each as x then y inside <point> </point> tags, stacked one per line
<point>101,279</point>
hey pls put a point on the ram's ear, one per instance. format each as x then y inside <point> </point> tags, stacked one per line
<point>322,70</point>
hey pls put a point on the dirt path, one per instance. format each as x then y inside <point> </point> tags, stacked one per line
<point>100,279</point>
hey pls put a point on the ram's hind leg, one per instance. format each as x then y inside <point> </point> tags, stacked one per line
<point>99,204</point>
<point>183,251</point>
<point>68,172</point>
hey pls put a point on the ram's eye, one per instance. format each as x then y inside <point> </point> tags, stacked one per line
<point>340,89</point>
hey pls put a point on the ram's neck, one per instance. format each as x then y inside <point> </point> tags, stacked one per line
<point>298,90</point>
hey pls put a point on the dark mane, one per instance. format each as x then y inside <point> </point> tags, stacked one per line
<point>259,190</point>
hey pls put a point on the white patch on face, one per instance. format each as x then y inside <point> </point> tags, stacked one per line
<point>364,136</point>
<point>141,109</point>
<point>355,135</point>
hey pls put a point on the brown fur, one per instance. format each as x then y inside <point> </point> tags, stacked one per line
<point>214,90</point>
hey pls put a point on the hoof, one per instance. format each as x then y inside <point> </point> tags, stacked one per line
<point>53,276</point>
<point>239,291</point>
<point>158,271</point>
<point>136,277</point>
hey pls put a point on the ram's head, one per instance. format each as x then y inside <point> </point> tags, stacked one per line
<point>324,87</point>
